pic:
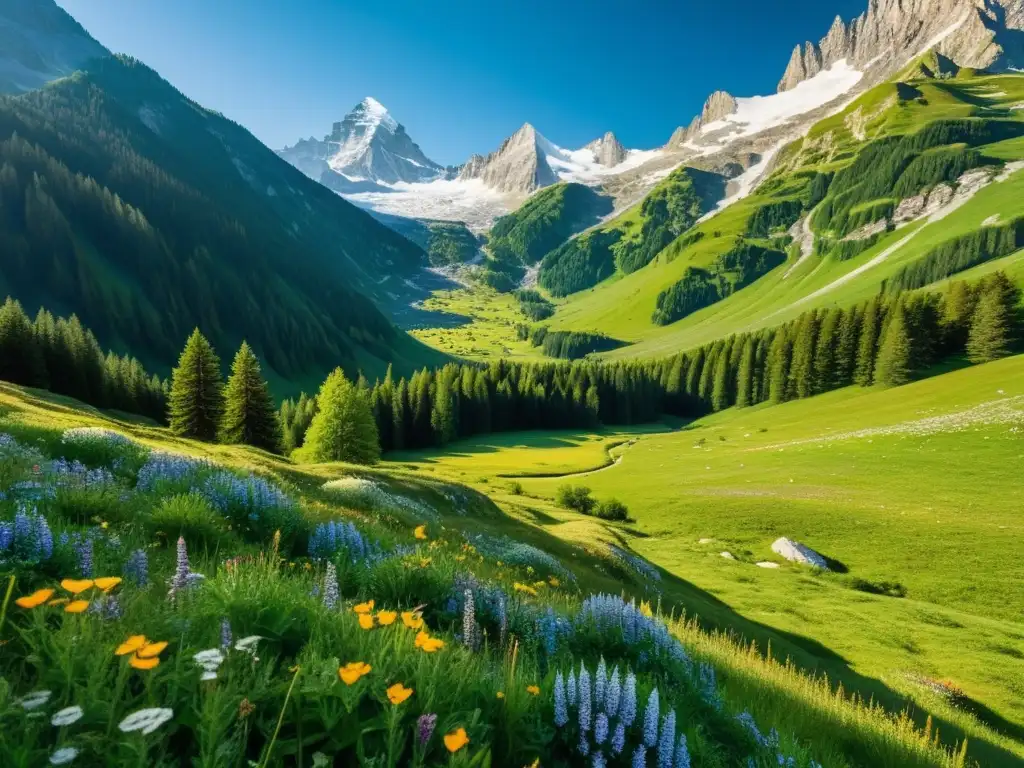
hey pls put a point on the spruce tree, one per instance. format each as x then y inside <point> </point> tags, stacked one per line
<point>444,411</point>
<point>343,428</point>
<point>893,367</point>
<point>846,348</point>
<point>991,327</point>
<point>249,415</point>
<point>802,368</point>
<point>745,383</point>
<point>399,415</point>
<point>720,394</point>
<point>779,356</point>
<point>21,356</point>
<point>864,371</point>
<point>197,398</point>
<point>826,350</point>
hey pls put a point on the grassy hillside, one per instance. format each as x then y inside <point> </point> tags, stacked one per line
<point>546,220</point>
<point>148,216</point>
<point>557,558</point>
<point>908,491</point>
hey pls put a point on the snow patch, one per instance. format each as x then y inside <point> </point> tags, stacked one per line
<point>759,113</point>
<point>582,166</point>
<point>468,200</point>
<point>746,181</point>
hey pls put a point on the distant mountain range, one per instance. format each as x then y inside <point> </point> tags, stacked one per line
<point>369,157</point>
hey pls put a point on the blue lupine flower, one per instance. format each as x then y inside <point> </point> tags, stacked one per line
<point>550,626</point>
<point>570,688</point>
<point>600,680</point>
<point>682,753</point>
<point>334,537</point>
<point>84,552</point>
<point>651,719</point>
<point>180,580</point>
<point>598,760</point>
<point>6,536</point>
<point>600,728</point>
<point>136,570</point>
<point>585,700</point>
<point>502,611</point>
<point>709,685</point>
<point>612,616</point>
<point>561,713</point>
<point>470,630</point>
<point>747,721</point>
<point>640,757</point>
<point>619,739</point>
<point>613,694</point>
<point>225,633</point>
<point>330,591</point>
<point>666,745</point>
<point>628,714</point>
<point>584,745</point>
<point>44,538</point>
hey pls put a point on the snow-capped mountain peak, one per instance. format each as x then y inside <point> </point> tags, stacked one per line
<point>366,148</point>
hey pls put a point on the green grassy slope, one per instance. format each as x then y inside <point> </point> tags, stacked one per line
<point>912,491</point>
<point>624,307</point>
<point>814,720</point>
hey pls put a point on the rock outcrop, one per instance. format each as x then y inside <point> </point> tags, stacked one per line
<point>796,552</point>
<point>718,105</point>
<point>973,33</point>
<point>518,165</point>
<point>608,151</point>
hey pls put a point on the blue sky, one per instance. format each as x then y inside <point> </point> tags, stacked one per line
<point>461,75</point>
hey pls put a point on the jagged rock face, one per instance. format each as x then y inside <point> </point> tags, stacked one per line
<point>608,151</point>
<point>718,105</point>
<point>39,42</point>
<point>369,145</point>
<point>517,166</point>
<point>973,33</point>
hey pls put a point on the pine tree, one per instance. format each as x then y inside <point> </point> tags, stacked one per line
<point>249,415</point>
<point>893,367</point>
<point>21,356</point>
<point>444,412</point>
<point>802,368</point>
<point>197,397</point>
<point>991,327</point>
<point>343,428</point>
<point>826,350</point>
<point>864,371</point>
<point>399,415</point>
<point>846,348</point>
<point>720,394</point>
<point>779,356</point>
<point>745,383</point>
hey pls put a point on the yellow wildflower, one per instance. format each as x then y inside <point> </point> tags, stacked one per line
<point>456,740</point>
<point>554,582</point>
<point>535,690</point>
<point>386,618</point>
<point>138,663</point>
<point>365,621</point>
<point>412,620</point>
<point>460,558</point>
<point>398,693</point>
<point>352,671</point>
<point>34,600</point>
<point>78,606</point>
<point>149,650</point>
<point>131,645</point>
<point>59,601</point>
<point>525,588</point>
<point>74,586</point>
<point>364,607</point>
<point>107,583</point>
<point>645,608</point>
<point>420,532</point>
<point>500,694</point>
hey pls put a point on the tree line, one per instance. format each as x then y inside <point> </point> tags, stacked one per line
<point>61,355</point>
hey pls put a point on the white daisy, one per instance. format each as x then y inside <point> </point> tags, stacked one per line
<point>248,644</point>
<point>211,658</point>
<point>146,720</point>
<point>35,699</point>
<point>67,716</point>
<point>63,756</point>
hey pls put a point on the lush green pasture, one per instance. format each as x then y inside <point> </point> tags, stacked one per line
<point>927,512</point>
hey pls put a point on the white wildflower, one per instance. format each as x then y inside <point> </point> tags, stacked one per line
<point>36,699</point>
<point>67,716</point>
<point>63,756</point>
<point>248,644</point>
<point>146,720</point>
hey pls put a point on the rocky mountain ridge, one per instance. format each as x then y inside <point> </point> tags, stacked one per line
<point>986,34</point>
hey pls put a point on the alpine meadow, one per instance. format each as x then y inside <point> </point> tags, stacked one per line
<point>706,454</point>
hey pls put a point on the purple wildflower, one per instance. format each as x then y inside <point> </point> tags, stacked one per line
<point>425,728</point>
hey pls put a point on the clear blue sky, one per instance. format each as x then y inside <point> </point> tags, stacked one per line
<point>461,75</point>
